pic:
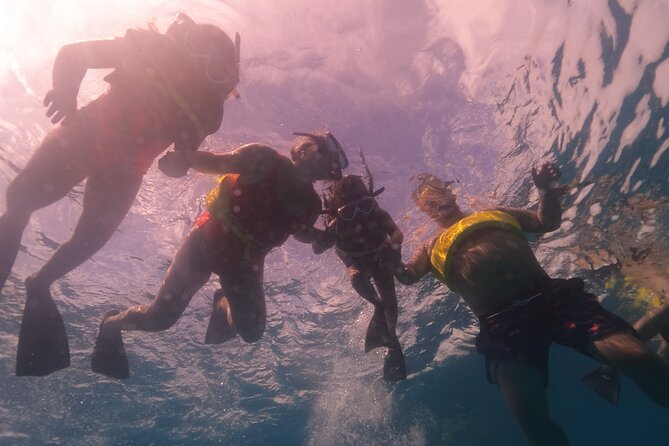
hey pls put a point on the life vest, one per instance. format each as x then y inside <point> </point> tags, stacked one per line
<point>447,244</point>
<point>218,204</point>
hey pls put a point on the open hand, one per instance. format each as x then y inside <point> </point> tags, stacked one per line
<point>547,176</point>
<point>62,104</point>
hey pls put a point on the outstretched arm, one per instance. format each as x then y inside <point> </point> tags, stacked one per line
<point>249,159</point>
<point>548,217</point>
<point>69,68</point>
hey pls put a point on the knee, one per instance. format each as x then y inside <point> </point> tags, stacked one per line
<point>361,284</point>
<point>251,329</point>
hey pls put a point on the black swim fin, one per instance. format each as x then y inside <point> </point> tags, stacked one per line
<point>43,346</point>
<point>219,329</point>
<point>605,382</point>
<point>109,357</point>
<point>394,365</point>
<point>377,331</point>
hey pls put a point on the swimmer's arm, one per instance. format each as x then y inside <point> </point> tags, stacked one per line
<point>414,269</point>
<point>549,215</point>
<point>393,231</point>
<point>245,159</point>
<point>69,69</point>
<point>74,59</point>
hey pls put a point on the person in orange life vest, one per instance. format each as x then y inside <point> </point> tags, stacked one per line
<point>165,90</point>
<point>368,241</point>
<point>487,260</point>
<point>261,199</point>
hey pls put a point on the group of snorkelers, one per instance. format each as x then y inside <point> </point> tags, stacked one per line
<point>168,90</point>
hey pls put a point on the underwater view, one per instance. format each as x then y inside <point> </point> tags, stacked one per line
<point>477,92</point>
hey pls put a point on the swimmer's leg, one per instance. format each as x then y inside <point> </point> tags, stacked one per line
<point>107,199</point>
<point>604,380</point>
<point>377,331</point>
<point>630,356</point>
<point>394,364</point>
<point>188,272</point>
<point>43,346</point>
<point>52,171</point>
<point>243,300</point>
<point>522,385</point>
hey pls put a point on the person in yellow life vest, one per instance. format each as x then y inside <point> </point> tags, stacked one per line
<point>262,198</point>
<point>521,310</point>
<point>166,89</point>
<point>368,242</point>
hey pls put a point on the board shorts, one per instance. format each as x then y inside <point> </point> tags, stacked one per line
<point>561,311</point>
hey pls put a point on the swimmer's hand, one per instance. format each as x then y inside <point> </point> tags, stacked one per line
<point>546,178</point>
<point>174,164</point>
<point>62,103</point>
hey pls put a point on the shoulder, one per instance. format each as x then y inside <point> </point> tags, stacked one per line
<point>261,153</point>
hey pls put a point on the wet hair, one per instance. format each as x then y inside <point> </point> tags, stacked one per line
<point>299,150</point>
<point>431,192</point>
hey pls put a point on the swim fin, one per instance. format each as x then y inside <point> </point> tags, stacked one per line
<point>394,365</point>
<point>43,346</point>
<point>605,382</point>
<point>377,331</point>
<point>109,357</point>
<point>219,329</point>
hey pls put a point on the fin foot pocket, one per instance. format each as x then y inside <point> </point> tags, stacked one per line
<point>109,357</point>
<point>378,334</point>
<point>394,365</point>
<point>605,382</point>
<point>219,329</point>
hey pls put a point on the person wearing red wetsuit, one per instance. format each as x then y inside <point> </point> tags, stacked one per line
<point>261,199</point>
<point>165,90</point>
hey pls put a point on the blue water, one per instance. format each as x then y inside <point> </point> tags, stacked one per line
<point>475,90</point>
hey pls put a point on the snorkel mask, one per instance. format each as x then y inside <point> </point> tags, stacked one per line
<point>329,147</point>
<point>220,56</point>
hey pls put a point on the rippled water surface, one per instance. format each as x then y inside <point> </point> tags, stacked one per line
<point>475,90</point>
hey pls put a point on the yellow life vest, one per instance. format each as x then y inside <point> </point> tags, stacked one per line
<point>218,204</point>
<point>447,243</point>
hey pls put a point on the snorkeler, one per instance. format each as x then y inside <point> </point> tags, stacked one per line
<point>166,89</point>
<point>485,257</point>
<point>261,199</point>
<point>368,241</point>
